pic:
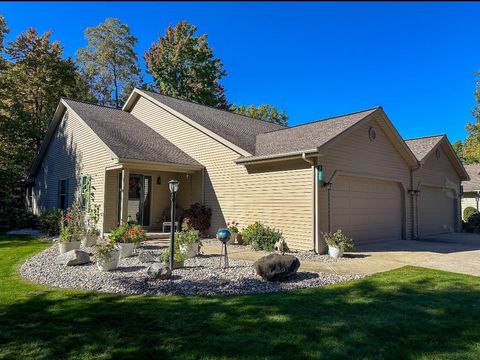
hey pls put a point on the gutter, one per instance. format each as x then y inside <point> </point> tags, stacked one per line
<point>274,157</point>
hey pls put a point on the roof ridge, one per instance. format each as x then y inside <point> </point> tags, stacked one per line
<point>426,137</point>
<point>325,119</point>
<point>212,107</point>
<point>89,103</point>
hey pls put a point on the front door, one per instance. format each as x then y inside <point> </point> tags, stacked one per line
<point>139,198</point>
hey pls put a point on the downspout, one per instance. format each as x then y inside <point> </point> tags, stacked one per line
<point>314,212</point>
<point>414,203</point>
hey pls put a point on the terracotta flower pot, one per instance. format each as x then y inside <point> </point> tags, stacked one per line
<point>89,240</point>
<point>66,246</point>
<point>126,249</point>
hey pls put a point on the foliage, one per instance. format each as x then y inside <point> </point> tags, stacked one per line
<point>472,225</point>
<point>198,217</point>
<point>250,229</point>
<point>468,212</point>
<point>135,234</point>
<point>109,62</point>
<point>119,234</point>
<point>339,240</point>
<point>183,65</point>
<point>177,254</point>
<point>50,222</point>
<point>17,217</point>
<point>72,224</point>
<point>188,235</point>
<point>261,237</point>
<point>93,210</point>
<point>125,233</point>
<point>33,77</point>
<point>263,112</point>
<point>232,226</point>
<point>103,250</point>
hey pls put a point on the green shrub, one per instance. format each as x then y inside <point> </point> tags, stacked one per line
<point>261,237</point>
<point>473,223</point>
<point>339,240</point>
<point>187,236</point>
<point>50,222</point>
<point>469,211</point>
<point>17,217</point>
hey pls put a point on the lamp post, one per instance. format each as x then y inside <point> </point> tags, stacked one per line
<point>173,186</point>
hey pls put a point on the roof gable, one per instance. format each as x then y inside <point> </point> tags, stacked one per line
<point>473,185</point>
<point>424,147</point>
<point>236,129</point>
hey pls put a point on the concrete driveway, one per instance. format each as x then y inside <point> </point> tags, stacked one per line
<point>457,252</point>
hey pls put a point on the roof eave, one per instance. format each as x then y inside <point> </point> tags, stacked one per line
<point>273,157</point>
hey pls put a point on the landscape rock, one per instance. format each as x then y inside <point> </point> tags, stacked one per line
<point>145,256</point>
<point>276,267</point>
<point>158,271</point>
<point>73,257</point>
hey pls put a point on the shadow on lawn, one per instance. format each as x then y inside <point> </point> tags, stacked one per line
<point>416,314</point>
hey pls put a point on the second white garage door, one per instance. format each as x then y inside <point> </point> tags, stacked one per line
<point>436,211</point>
<point>366,209</point>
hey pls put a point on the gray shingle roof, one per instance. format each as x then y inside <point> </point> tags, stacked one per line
<point>238,129</point>
<point>422,146</point>
<point>474,183</point>
<point>307,136</point>
<point>128,137</point>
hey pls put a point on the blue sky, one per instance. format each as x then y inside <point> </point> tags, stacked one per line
<point>417,60</point>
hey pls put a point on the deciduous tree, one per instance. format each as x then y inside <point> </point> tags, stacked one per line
<point>183,65</point>
<point>263,112</point>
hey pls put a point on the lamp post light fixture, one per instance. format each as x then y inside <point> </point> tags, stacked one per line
<point>173,186</point>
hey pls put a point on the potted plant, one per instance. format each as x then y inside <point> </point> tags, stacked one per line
<point>232,226</point>
<point>92,234</point>
<point>188,240</point>
<point>119,236</point>
<point>337,243</point>
<point>135,235</point>
<point>178,257</point>
<point>70,229</point>
<point>107,255</point>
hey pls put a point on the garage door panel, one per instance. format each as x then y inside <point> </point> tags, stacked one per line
<point>436,211</point>
<point>366,209</point>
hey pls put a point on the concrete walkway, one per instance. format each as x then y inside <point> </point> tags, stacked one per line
<point>457,252</point>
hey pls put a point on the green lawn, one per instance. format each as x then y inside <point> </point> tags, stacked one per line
<point>406,313</point>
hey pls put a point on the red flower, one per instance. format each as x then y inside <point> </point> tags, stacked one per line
<point>68,217</point>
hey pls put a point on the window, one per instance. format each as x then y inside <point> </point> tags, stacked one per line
<point>63,194</point>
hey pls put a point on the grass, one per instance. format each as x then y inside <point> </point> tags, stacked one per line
<point>406,313</point>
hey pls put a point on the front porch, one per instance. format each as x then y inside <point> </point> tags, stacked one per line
<point>139,191</point>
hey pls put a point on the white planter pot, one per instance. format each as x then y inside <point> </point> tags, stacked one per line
<point>64,247</point>
<point>233,238</point>
<point>126,249</point>
<point>190,250</point>
<point>89,240</point>
<point>110,262</point>
<point>335,252</point>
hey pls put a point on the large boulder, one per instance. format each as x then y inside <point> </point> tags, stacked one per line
<point>276,267</point>
<point>158,271</point>
<point>73,257</point>
<point>145,256</point>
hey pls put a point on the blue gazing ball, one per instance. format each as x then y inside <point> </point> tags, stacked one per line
<point>223,234</point>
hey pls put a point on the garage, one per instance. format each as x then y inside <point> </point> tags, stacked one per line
<point>366,209</point>
<point>436,211</point>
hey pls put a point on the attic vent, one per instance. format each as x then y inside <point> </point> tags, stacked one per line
<point>372,135</point>
<point>437,153</point>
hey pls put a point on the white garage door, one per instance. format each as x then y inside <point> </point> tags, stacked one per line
<point>366,209</point>
<point>436,211</point>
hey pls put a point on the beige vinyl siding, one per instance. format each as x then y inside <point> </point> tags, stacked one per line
<point>357,156</point>
<point>469,199</point>
<point>73,151</point>
<point>440,174</point>
<point>278,196</point>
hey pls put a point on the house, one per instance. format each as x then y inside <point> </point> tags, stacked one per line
<point>352,172</point>
<point>471,188</point>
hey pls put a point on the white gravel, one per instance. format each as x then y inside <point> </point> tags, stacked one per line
<point>201,276</point>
